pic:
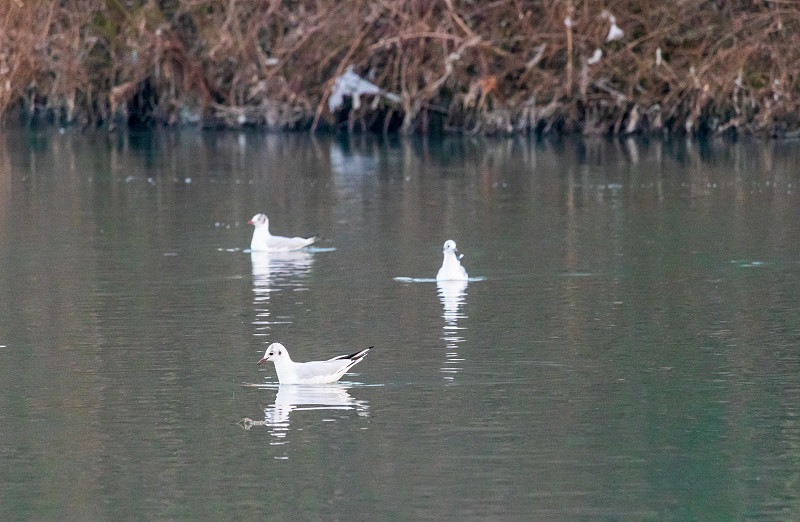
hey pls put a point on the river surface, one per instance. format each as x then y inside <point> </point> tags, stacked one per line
<point>628,347</point>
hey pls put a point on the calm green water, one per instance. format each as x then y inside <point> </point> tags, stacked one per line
<point>633,352</point>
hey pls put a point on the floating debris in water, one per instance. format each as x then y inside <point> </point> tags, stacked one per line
<point>743,263</point>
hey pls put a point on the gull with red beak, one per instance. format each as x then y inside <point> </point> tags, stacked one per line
<point>314,372</point>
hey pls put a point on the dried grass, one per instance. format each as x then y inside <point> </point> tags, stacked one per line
<point>499,66</point>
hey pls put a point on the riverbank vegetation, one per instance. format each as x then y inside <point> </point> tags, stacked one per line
<point>502,66</point>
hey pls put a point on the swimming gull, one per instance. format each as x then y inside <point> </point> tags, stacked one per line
<point>451,266</point>
<point>264,241</point>
<point>314,372</point>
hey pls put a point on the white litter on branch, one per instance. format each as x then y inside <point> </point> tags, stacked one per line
<point>614,33</point>
<point>595,58</point>
<point>658,57</point>
<point>353,85</point>
<point>568,21</point>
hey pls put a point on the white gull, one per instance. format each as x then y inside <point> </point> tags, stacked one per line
<point>264,241</point>
<point>451,269</point>
<point>314,372</point>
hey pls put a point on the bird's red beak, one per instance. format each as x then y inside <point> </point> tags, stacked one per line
<point>250,222</point>
<point>265,359</point>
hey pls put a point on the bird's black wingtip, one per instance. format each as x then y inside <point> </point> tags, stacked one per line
<point>358,355</point>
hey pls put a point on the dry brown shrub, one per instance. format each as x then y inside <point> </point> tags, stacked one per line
<point>463,66</point>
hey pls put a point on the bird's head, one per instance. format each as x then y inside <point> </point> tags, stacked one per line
<point>259,220</point>
<point>274,351</point>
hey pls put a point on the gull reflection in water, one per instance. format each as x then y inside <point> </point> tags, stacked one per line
<point>273,272</point>
<point>453,295</point>
<point>294,398</point>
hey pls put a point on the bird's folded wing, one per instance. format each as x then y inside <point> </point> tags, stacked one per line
<point>318,369</point>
